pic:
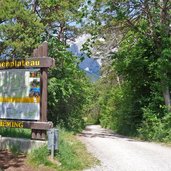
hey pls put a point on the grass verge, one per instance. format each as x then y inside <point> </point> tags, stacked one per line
<point>15,132</point>
<point>72,155</point>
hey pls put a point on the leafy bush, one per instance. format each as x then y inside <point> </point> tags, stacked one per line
<point>155,127</point>
<point>166,127</point>
<point>112,106</point>
<point>67,89</point>
<point>151,128</point>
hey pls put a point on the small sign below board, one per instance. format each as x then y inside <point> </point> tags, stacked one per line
<point>52,139</point>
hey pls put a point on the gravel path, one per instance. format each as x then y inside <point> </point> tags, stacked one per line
<point>118,153</point>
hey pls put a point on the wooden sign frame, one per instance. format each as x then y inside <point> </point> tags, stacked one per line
<point>42,52</point>
<point>40,60</point>
<point>36,62</point>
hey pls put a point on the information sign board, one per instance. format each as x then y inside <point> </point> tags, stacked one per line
<point>20,94</point>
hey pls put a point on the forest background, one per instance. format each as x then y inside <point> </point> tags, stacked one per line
<point>131,37</point>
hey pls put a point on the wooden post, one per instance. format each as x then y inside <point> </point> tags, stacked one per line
<point>44,78</point>
<point>42,51</point>
<point>43,105</point>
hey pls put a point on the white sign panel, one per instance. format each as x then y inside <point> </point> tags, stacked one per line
<point>20,94</point>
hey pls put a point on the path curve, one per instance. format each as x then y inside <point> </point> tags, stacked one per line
<point>118,153</point>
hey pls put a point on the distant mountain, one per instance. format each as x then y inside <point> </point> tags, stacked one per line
<point>90,65</point>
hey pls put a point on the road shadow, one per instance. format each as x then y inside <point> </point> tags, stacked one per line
<point>96,131</point>
<point>92,131</point>
<point>8,160</point>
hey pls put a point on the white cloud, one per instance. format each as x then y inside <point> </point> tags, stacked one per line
<point>99,61</point>
<point>87,69</point>
<point>79,41</point>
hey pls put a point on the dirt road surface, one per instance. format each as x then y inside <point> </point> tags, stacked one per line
<point>118,153</point>
<point>10,162</point>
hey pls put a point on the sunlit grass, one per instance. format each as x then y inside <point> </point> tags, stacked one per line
<point>15,132</point>
<point>71,156</point>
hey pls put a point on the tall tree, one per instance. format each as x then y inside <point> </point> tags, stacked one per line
<point>59,17</point>
<point>24,24</point>
<point>19,29</point>
<point>68,88</point>
<point>150,19</point>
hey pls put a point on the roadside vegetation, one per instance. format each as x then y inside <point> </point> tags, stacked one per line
<point>71,155</point>
<point>133,95</point>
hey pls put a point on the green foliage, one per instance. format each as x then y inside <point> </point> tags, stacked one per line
<point>24,23</point>
<point>141,98</point>
<point>19,29</point>
<point>166,122</point>
<point>92,108</point>
<point>72,154</point>
<point>59,18</point>
<point>15,132</point>
<point>139,65</point>
<point>123,117</point>
<point>154,127</point>
<point>39,156</point>
<point>114,108</point>
<point>142,60</point>
<point>151,128</point>
<point>67,88</point>
<point>59,11</point>
<point>135,103</point>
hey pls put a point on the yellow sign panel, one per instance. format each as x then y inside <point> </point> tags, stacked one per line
<point>20,99</point>
<point>11,124</point>
<point>20,94</point>
<point>21,63</point>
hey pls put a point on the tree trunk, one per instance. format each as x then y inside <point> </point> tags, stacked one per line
<point>166,95</point>
<point>164,21</point>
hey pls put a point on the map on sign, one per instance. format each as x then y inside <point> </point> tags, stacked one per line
<point>20,94</point>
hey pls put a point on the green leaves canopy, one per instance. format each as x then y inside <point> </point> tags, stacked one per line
<point>68,88</point>
<point>141,59</point>
<point>19,29</point>
<point>24,25</point>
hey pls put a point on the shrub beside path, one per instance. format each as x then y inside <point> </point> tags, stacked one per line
<point>119,153</point>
